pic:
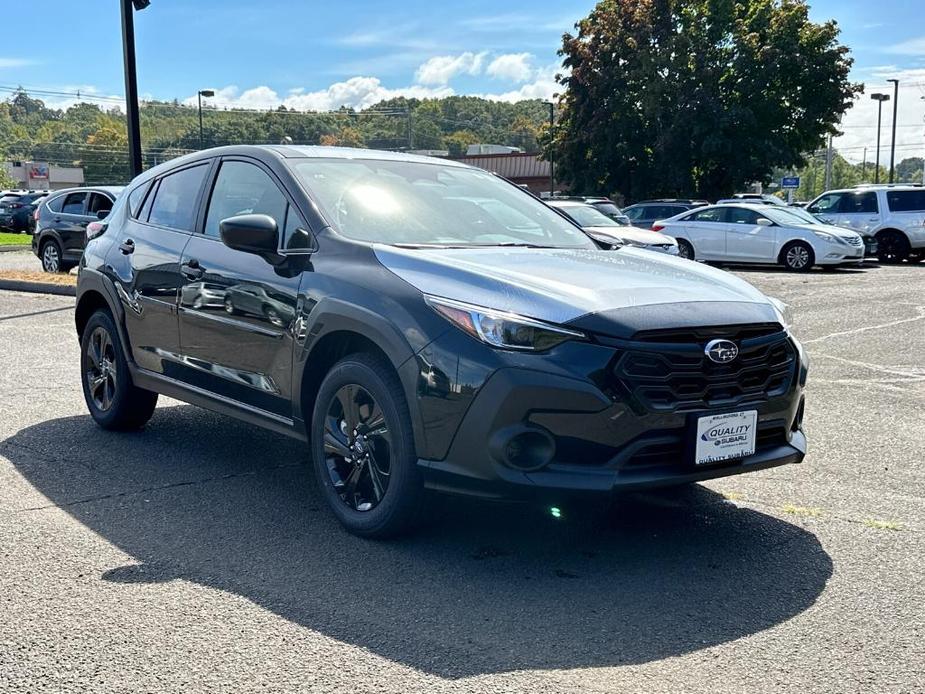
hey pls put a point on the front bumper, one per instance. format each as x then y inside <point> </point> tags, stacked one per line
<point>605,441</point>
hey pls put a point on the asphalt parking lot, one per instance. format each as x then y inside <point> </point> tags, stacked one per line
<point>196,555</point>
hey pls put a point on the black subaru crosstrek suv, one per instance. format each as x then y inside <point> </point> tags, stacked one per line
<point>424,325</point>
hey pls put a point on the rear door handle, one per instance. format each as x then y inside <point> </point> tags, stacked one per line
<point>127,247</point>
<point>191,269</point>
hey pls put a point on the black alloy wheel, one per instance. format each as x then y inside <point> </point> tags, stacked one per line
<point>100,369</point>
<point>893,247</point>
<point>685,249</point>
<point>358,448</point>
<point>363,448</point>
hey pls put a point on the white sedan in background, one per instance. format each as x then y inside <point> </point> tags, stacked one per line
<point>748,233</point>
<point>605,229</point>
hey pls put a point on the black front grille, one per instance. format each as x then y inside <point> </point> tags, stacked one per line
<point>669,372</point>
<point>670,451</point>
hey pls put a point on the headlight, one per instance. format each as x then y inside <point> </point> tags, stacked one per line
<point>500,329</point>
<point>831,238</point>
<point>783,312</point>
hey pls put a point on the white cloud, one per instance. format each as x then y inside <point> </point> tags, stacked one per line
<point>911,47</point>
<point>441,69</point>
<point>543,86</point>
<point>357,92</point>
<point>15,62</point>
<point>515,67</point>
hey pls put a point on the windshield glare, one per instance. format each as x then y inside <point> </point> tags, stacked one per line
<point>788,216</point>
<point>418,204</point>
<point>588,216</point>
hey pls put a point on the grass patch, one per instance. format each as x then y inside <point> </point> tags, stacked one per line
<point>68,280</point>
<point>804,511</point>
<point>8,239</point>
<point>882,525</point>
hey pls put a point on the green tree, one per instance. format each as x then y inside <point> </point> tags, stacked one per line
<point>696,97</point>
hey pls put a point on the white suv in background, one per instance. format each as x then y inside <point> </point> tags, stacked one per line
<point>894,214</point>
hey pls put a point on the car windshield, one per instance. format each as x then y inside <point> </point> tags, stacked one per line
<point>609,209</point>
<point>588,216</point>
<point>804,216</point>
<point>783,216</point>
<point>423,204</point>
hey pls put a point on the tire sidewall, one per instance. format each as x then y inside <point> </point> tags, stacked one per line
<point>110,417</point>
<point>902,243</point>
<point>397,506</point>
<point>52,244</point>
<point>684,243</point>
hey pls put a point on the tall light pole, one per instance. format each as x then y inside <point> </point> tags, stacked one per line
<point>200,94</point>
<point>552,162</point>
<point>879,98</point>
<point>132,118</point>
<point>895,108</point>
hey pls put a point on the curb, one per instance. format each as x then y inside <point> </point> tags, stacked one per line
<point>10,249</point>
<point>38,287</point>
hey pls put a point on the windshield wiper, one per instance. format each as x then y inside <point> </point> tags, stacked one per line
<point>512,244</point>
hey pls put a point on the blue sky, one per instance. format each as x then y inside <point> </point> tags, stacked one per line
<point>317,55</point>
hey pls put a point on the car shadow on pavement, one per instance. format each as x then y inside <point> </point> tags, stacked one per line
<point>480,589</point>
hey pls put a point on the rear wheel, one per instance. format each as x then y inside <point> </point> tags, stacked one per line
<point>113,400</point>
<point>797,256</point>
<point>51,256</point>
<point>363,448</point>
<point>892,247</point>
<point>685,249</point>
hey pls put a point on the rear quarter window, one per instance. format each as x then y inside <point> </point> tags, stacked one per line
<point>906,200</point>
<point>54,204</point>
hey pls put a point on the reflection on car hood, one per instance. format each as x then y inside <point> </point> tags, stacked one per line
<point>633,235</point>
<point>559,285</point>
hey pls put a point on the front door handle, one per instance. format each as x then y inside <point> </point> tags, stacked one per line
<point>127,247</point>
<point>192,270</point>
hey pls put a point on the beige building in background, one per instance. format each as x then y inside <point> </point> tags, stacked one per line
<point>34,175</point>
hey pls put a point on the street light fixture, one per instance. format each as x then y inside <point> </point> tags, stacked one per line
<point>880,98</point>
<point>132,111</point>
<point>200,94</point>
<point>895,108</point>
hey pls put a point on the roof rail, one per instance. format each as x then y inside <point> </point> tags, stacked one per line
<point>888,185</point>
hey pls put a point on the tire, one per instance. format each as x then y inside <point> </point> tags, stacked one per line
<point>385,497</point>
<point>51,256</point>
<point>797,256</point>
<point>892,247</point>
<point>229,307</point>
<point>685,249</point>
<point>113,400</point>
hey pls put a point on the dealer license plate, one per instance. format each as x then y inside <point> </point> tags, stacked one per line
<point>726,436</point>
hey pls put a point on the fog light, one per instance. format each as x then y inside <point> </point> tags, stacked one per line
<point>523,448</point>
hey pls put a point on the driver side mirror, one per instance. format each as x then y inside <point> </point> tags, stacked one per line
<point>765,222</point>
<point>251,233</point>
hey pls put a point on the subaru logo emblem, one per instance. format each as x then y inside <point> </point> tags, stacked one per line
<point>721,351</point>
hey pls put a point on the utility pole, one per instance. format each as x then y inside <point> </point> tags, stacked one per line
<point>879,98</point>
<point>202,93</point>
<point>410,135</point>
<point>552,162</point>
<point>132,117</point>
<point>828,165</point>
<point>895,108</point>
<point>864,167</point>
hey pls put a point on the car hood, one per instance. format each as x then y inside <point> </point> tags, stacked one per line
<point>561,285</point>
<point>632,235</point>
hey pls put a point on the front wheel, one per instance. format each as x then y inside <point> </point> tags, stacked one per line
<point>892,247</point>
<point>685,249</point>
<point>363,448</point>
<point>797,256</point>
<point>113,400</point>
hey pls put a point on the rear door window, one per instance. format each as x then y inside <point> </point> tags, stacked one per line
<point>98,203</point>
<point>906,200</point>
<point>136,197</point>
<point>74,203</point>
<point>858,203</point>
<point>174,204</point>
<point>740,215</point>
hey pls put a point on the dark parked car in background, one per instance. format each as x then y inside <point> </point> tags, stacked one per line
<point>422,324</point>
<point>17,209</point>
<point>61,224</point>
<point>645,213</point>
